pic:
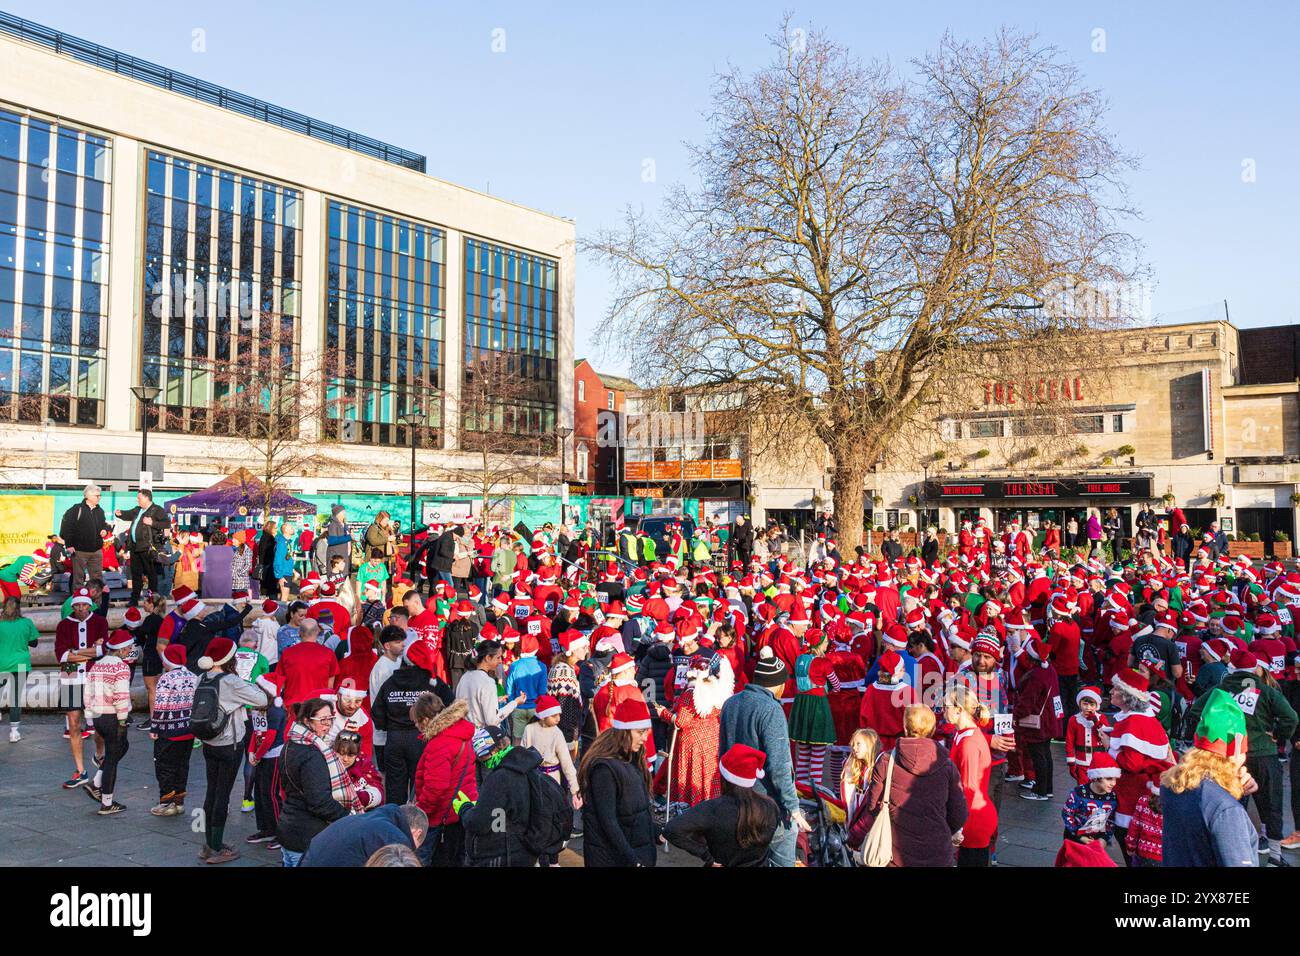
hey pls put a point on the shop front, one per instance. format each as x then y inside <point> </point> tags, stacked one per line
<point>1032,501</point>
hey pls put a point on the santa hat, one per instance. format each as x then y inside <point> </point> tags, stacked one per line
<point>573,640</point>
<point>528,646</point>
<point>174,656</point>
<point>132,618</point>
<point>118,640</point>
<point>419,654</point>
<point>547,706</point>
<point>82,597</point>
<point>273,684</point>
<point>665,632</point>
<point>372,590</point>
<point>742,766</point>
<point>326,693</point>
<point>1222,727</point>
<point>220,650</point>
<point>1102,766</point>
<point>270,607</point>
<point>190,608</point>
<point>1131,682</point>
<point>1219,648</point>
<point>1244,660</point>
<point>181,593</point>
<point>631,714</point>
<point>1037,648</point>
<point>42,554</point>
<point>891,665</point>
<point>1088,693</point>
<point>621,662</point>
<point>464,608</point>
<point>352,691</point>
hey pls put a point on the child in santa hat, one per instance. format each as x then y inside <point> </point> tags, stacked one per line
<point>886,699</point>
<point>265,744</point>
<point>1085,733</point>
<point>1089,816</point>
<point>266,627</point>
<point>543,735</point>
<point>108,705</point>
<point>169,724</point>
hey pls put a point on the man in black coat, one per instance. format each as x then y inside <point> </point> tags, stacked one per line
<point>144,538</point>
<point>82,531</point>
<point>442,553</point>
<point>495,823</point>
<point>740,542</point>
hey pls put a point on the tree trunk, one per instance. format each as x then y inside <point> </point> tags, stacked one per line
<point>847,491</point>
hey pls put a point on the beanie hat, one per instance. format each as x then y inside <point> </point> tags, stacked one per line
<point>485,740</point>
<point>769,671</point>
<point>220,650</point>
<point>1103,765</point>
<point>742,765</point>
<point>547,706</point>
<point>1222,728</point>
<point>986,642</point>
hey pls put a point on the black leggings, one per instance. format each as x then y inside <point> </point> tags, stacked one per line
<point>171,765</point>
<point>265,795</point>
<point>222,764</point>
<point>115,748</point>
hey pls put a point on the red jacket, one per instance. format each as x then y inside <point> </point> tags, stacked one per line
<point>447,758</point>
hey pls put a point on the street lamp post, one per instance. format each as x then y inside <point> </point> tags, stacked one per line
<point>563,432</point>
<point>146,395</point>
<point>412,420</point>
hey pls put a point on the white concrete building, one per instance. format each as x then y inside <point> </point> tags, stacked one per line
<point>175,237</point>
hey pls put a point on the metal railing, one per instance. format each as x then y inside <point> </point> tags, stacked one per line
<point>205,92</point>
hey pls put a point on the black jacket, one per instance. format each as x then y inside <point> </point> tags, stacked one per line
<point>308,807</point>
<point>197,634</point>
<point>656,666</point>
<point>147,538</point>
<point>391,710</point>
<point>502,798</point>
<point>442,553</point>
<point>741,537</point>
<point>617,827</point>
<point>708,831</point>
<point>81,527</point>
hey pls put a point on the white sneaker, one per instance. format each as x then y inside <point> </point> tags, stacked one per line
<point>14,735</point>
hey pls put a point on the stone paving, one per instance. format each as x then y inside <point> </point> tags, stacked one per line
<point>43,825</point>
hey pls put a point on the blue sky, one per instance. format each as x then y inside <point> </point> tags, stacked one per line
<point>583,93</point>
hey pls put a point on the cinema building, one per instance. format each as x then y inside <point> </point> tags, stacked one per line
<point>1201,414</point>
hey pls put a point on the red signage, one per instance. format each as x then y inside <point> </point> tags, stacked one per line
<point>957,491</point>
<point>1102,488</point>
<point>1043,390</point>
<point>1029,489</point>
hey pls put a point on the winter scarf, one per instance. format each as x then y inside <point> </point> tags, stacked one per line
<point>342,789</point>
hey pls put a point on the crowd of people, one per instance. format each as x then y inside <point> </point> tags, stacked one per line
<point>484,700</point>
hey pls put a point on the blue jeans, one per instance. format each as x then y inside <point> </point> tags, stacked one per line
<point>484,586</point>
<point>782,850</point>
<point>291,858</point>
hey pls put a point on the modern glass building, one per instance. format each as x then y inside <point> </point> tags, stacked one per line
<point>222,287</point>
<point>510,341</point>
<point>54,227</point>
<point>384,312</point>
<point>264,260</point>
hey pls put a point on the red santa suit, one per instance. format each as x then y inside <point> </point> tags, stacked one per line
<point>1082,740</point>
<point>846,703</point>
<point>966,544</point>
<point>613,693</point>
<point>882,710</point>
<point>1141,748</point>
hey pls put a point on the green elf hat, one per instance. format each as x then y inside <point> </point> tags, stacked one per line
<point>1222,729</point>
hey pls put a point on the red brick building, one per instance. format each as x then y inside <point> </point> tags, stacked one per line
<point>597,405</point>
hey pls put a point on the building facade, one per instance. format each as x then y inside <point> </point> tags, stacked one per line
<point>598,409</point>
<point>158,231</point>
<point>1178,416</point>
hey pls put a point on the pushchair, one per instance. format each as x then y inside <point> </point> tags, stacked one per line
<point>826,844</point>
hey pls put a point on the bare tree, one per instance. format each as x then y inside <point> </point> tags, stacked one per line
<point>504,425</point>
<point>857,241</point>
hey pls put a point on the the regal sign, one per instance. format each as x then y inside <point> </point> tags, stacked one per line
<point>1031,392</point>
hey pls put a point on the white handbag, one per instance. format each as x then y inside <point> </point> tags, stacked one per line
<point>878,848</point>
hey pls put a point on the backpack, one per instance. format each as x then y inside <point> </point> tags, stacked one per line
<point>550,816</point>
<point>207,719</point>
<point>459,643</point>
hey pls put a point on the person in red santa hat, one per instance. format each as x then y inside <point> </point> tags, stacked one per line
<point>885,700</point>
<point>78,641</point>
<point>812,728</point>
<point>736,827</point>
<point>1089,816</point>
<point>690,775</point>
<point>1038,712</point>
<point>1086,733</point>
<point>846,700</point>
<point>367,783</point>
<point>621,687</point>
<point>1138,743</point>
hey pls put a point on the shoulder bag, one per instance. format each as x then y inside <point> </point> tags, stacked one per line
<point>878,848</point>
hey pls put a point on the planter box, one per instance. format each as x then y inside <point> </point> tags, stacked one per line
<point>1251,549</point>
<point>1282,549</point>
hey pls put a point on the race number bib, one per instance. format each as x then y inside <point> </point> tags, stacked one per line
<point>258,718</point>
<point>1057,708</point>
<point>1248,700</point>
<point>1277,664</point>
<point>534,627</point>
<point>1182,649</point>
<point>1003,725</point>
